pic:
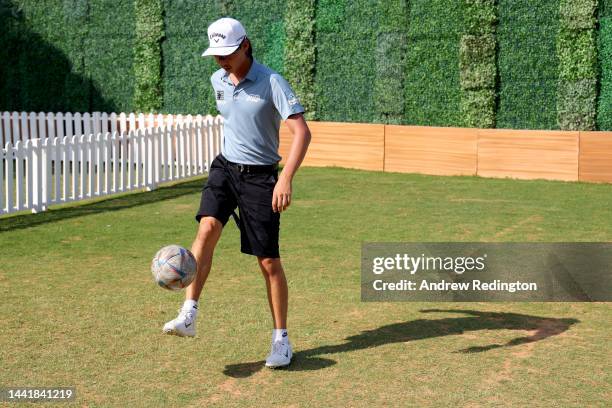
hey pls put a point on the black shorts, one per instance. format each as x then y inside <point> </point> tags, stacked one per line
<point>249,189</point>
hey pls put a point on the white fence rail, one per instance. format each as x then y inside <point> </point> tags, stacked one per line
<point>16,126</point>
<point>38,172</point>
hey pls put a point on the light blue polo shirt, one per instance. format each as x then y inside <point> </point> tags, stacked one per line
<point>252,112</point>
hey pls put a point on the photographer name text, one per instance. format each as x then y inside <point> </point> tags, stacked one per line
<point>445,286</point>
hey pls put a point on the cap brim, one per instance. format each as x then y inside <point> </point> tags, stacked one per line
<point>221,51</point>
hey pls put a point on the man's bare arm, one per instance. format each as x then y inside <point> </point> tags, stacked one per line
<point>281,199</point>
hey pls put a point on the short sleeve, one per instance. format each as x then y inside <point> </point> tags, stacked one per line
<point>285,100</point>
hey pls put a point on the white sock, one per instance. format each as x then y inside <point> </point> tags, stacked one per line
<point>191,305</point>
<point>280,335</point>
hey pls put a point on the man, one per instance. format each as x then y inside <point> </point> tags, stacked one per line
<point>252,99</point>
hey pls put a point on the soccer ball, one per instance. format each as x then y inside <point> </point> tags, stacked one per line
<point>173,267</point>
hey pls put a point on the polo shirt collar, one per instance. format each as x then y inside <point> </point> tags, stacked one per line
<point>251,75</point>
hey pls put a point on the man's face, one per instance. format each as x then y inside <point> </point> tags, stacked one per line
<point>236,59</point>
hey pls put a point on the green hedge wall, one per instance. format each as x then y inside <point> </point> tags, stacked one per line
<point>226,7</point>
<point>345,65</point>
<point>432,92</point>
<point>110,53</point>
<point>78,84</point>
<point>477,63</point>
<point>577,53</point>
<point>10,17</point>
<point>538,64</point>
<point>300,51</point>
<point>186,75</point>
<point>49,58</point>
<point>147,55</point>
<point>390,57</point>
<point>70,55</point>
<point>604,111</point>
<point>527,64</point>
<point>264,22</point>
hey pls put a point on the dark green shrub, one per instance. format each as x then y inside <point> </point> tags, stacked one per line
<point>390,57</point>
<point>147,55</point>
<point>527,64</point>
<point>577,53</point>
<point>477,64</point>
<point>186,75</point>
<point>299,61</point>
<point>345,68</point>
<point>604,107</point>
<point>432,89</point>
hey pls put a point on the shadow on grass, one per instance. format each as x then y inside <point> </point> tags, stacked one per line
<point>542,327</point>
<point>104,205</point>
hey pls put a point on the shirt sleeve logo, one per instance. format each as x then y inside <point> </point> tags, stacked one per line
<point>219,95</point>
<point>292,99</point>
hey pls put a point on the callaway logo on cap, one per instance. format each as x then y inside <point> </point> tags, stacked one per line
<point>224,36</point>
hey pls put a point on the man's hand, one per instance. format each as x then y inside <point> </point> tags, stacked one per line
<point>281,197</point>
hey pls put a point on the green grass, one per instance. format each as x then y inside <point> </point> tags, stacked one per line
<point>79,308</point>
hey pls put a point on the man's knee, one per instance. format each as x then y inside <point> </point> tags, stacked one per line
<point>210,229</point>
<point>270,266</point>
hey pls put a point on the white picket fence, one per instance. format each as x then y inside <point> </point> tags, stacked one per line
<point>15,126</point>
<point>38,172</point>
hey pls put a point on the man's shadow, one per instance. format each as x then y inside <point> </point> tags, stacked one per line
<point>421,329</point>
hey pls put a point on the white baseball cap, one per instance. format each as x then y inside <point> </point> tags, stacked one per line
<point>224,36</point>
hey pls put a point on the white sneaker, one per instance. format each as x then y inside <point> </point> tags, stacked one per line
<point>183,325</point>
<point>280,355</point>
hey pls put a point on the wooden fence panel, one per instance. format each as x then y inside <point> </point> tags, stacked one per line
<point>351,145</point>
<point>595,163</point>
<point>430,150</point>
<point>528,154</point>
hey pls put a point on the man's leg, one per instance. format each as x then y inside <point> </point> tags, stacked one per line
<point>278,299</point>
<point>278,294</point>
<point>202,248</point>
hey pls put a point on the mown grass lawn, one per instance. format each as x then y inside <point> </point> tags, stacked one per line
<point>79,308</point>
